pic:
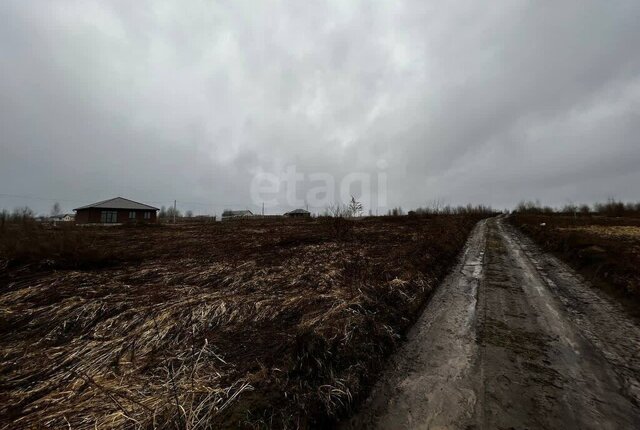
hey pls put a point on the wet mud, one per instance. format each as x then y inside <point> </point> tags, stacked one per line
<point>512,339</point>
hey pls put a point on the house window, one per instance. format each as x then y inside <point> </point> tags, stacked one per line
<point>109,216</point>
<point>147,215</point>
<point>132,215</point>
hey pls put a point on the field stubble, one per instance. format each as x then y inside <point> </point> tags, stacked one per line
<point>250,324</point>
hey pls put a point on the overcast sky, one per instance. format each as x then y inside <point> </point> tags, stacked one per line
<point>461,101</point>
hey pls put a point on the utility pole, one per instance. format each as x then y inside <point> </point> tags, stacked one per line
<point>262,208</point>
<point>174,211</point>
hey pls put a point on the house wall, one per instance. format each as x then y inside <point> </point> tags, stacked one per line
<point>93,216</point>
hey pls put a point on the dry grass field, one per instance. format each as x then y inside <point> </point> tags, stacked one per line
<point>624,232</point>
<point>605,249</point>
<point>239,324</point>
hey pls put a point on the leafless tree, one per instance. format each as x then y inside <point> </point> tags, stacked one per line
<point>24,214</point>
<point>55,209</point>
<point>355,207</point>
<point>171,211</point>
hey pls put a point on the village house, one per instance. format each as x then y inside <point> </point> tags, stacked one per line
<point>116,211</point>
<point>298,213</point>
<point>62,218</point>
<point>229,214</point>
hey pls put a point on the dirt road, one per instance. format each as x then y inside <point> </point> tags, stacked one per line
<point>512,339</point>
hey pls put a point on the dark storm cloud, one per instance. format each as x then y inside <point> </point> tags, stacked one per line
<point>464,102</point>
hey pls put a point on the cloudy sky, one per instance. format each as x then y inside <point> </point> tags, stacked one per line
<point>461,101</point>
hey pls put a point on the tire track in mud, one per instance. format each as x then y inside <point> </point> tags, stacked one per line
<point>511,339</point>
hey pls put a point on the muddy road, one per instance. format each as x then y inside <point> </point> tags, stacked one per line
<point>512,339</point>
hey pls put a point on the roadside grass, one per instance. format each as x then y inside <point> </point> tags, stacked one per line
<point>226,325</point>
<point>606,250</point>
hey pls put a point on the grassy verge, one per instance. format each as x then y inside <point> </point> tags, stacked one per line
<point>606,250</point>
<point>259,324</point>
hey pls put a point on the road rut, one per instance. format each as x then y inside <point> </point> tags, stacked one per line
<point>513,338</point>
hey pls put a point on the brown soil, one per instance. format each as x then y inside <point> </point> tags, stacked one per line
<point>251,324</point>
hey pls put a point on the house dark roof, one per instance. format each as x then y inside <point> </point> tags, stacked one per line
<point>118,203</point>
<point>298,211</point>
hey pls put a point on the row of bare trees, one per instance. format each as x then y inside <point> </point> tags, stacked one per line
<point>611,207</point>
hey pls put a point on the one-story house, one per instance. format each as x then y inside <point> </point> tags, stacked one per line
<point>298,213</point>
<point>229,214</point>
<point>116,211</point>
<point>62,218</point>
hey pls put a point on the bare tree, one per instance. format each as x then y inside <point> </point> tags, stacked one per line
<point>188,214</point>
<point>171,212</point>
<point>4,217</point>
<point>23,213</point>
<point>355,207</point>
<point>337,211</point>
<point>55,209</point>
<point>396,211</point>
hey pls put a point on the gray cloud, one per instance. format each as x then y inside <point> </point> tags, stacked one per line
<point>465,102</point>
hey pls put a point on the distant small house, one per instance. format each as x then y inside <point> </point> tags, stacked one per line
<point>228,214</point>
<point>62,218</point>
<point>115,211</point>
<point>298,213</point>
